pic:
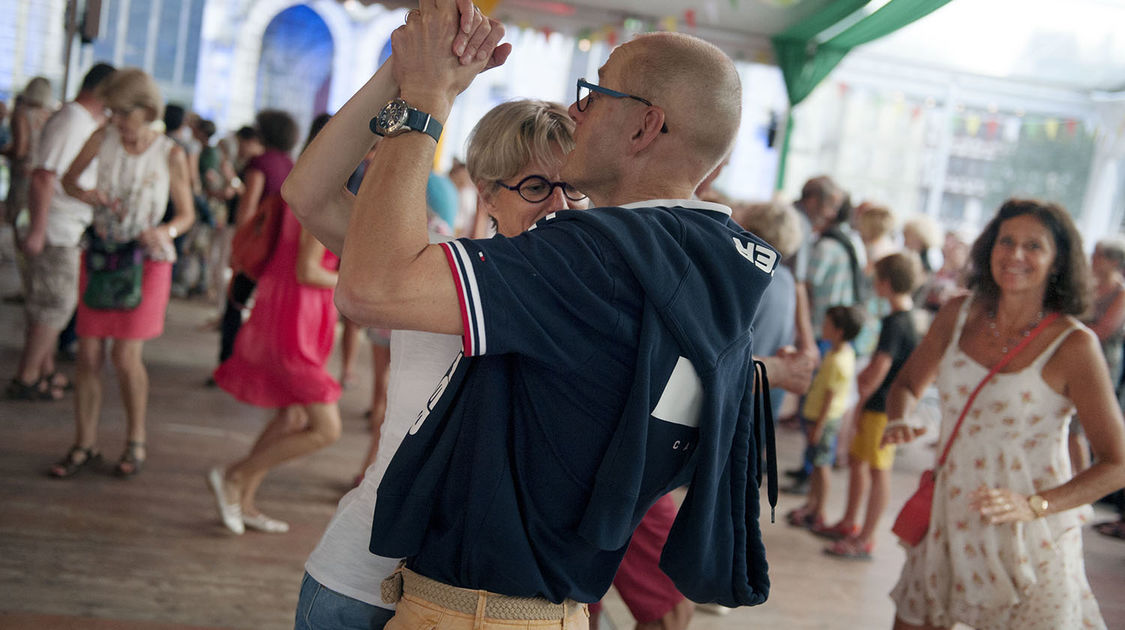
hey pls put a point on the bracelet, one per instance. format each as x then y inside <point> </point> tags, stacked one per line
<point>896,423</point>
<point>172,231</point>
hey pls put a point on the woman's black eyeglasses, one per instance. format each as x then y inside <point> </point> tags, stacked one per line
<point>585,88</point>
<point>536,188</point>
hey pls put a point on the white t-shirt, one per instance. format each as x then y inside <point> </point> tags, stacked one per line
<point>64,135</point>
<point>341,560</point>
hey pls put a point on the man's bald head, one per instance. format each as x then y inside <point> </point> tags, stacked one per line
<point>696,85</point>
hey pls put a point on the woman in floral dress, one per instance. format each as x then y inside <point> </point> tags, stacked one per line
<point>1004,546</point>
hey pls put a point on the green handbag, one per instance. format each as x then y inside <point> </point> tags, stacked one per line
<point>115,272</point>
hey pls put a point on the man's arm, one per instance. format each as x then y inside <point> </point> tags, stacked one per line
<point>390,275</point>
<point>789,369</point>
<point>316,187</point>
<point>806,339</point>
<point>42,189</point>
<point>873,376</point>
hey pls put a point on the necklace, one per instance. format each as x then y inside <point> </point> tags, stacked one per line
<point>1011,341</point>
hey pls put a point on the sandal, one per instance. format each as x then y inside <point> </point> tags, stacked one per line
<point>839,531</point>
<point>58,380</point>
<point>1113,529</point>
<point>800,517</point>
<point>130,464</point>
<point>48,390</point>
<point>37,390</point>
<point>19,390</point>
<point>71,464</point>
<point>850,549</point>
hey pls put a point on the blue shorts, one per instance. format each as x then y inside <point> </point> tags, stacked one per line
<point>823,453</point>
<point>320,608</point>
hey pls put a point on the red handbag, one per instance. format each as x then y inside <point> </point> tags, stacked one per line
<point>913,520</point>
<point>254,241</point>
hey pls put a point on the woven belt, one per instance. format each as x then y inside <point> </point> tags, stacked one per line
<point>465,600</point>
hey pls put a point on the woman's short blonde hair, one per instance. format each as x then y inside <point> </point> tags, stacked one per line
<point>514,134</point>
<point>130,88</point>
<point>775,222</point>
<point>925,229</point>
<point>37,93</point>
<point>873,221</point>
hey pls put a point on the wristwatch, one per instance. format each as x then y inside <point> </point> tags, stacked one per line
<point>1038,505</point>
<point>398,117</point>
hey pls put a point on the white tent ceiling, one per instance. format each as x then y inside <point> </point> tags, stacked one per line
<point>1074,45</point>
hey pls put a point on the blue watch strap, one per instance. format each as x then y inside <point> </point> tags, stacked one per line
<point>421,121</point>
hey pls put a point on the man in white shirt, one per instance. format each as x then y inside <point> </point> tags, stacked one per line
<point>52,242</point>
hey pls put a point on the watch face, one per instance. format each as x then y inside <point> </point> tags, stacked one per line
<point>393,116</point>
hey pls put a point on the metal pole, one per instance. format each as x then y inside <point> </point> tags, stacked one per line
<point>783,156</point>
<point>70,28</point>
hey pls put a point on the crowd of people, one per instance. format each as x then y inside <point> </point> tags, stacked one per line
<point>546,374</point>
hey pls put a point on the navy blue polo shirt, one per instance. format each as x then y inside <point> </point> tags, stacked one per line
<point>591,342</point>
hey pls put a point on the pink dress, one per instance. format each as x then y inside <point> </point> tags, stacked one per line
<point>280,353</point>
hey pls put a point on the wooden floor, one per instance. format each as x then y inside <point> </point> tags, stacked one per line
<point>101,553</point>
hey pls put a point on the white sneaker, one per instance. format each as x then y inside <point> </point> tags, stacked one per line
<point>263,523</point>
<point>714,609</point>
<point>230,514</point>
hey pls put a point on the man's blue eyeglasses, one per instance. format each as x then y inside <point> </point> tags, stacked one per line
<point>585,88</point>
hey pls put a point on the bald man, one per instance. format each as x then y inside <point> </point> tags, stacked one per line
<point>606,354</point>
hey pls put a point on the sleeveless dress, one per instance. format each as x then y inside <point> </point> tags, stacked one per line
<point>1020,575</point>
<point>280,353</point>
<point>140,185</point>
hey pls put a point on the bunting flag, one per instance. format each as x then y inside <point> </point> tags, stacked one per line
<point>669,24</point>
<point>1012,129</point>
<point>712,9</point>
<point>1051,126</point>
<point>972,124</point>
<point>689,18</point>
<point>991,127</point>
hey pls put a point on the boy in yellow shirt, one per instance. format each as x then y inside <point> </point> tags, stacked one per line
<point>824,407</point>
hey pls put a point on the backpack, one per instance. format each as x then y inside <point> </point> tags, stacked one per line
<point>254,241</point>
<point>838,235</point>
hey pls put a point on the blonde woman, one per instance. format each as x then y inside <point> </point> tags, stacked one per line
<point>28,117</point>
<point>138,168</point>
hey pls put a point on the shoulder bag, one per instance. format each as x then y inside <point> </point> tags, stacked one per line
<point>115,273</point>
<point>254,241</point>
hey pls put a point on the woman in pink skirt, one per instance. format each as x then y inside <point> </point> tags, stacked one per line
<point>138,168</point>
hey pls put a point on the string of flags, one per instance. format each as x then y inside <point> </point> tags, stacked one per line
<point>990,125</point>
<point>613,33</point>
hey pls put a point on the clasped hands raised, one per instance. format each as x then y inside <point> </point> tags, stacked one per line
<point>440,49</point>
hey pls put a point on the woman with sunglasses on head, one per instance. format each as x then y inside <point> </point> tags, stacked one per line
<point>137,168</point>
<point>1003,548</point>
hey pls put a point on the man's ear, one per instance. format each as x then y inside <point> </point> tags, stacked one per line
<point>648,130</point>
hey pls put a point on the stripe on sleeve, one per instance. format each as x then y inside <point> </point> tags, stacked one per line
<point>472,315</point>
<point>455,270</point>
